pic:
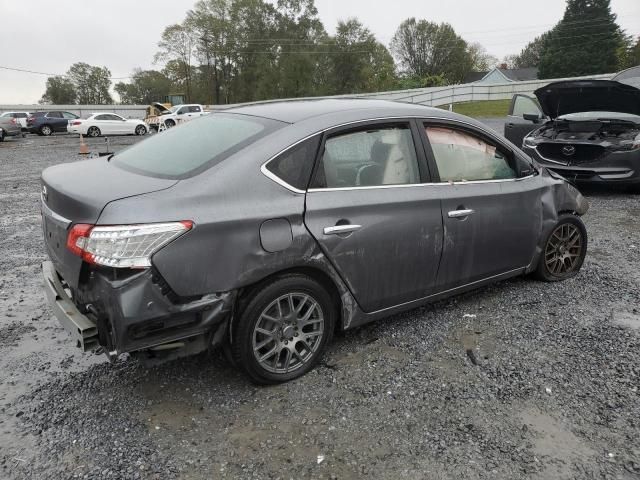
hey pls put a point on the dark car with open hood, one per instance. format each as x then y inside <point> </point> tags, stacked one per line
<point>586,130</point>
<point>268,227</point>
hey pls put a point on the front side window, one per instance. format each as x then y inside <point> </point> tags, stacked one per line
<point>523,105</point>
<point>194,109</point>
<point>373,157</point>
<point>54,115</point>
<point>461,156</point>
<point>69,116</point>
<point>194,146</point>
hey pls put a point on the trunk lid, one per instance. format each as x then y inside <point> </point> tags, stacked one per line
<point>77,193</point>
<point>562,98</point>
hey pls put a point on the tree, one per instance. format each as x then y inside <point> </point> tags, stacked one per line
<point>587,41</point>
<point>359,63</point>
<point>629,53</point>
<point>480,58</point>
<point>146,86</point>
<point>178,44</point>
<point>91,84</point>
<point>426,48</point>
<point>530,55</point>
<point>60,91</point>
<point>83,84</point>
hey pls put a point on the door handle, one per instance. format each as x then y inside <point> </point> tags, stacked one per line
<point>340,229</point>
<point>461,213</point>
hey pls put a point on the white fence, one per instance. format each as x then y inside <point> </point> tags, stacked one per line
<point>435,97</point>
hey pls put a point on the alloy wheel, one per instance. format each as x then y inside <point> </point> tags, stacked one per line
<point>140,130</point>
<point>46,130</point>
<point>94,132</point>
<point>288,333</point>
<point>564,249</point>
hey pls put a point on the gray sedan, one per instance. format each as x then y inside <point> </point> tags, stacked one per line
<point>268,227</point>
<point>9,127</point>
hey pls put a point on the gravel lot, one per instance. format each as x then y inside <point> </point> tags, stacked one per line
<point>519,380</point>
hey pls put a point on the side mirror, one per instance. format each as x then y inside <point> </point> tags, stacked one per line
<point>532,117</point>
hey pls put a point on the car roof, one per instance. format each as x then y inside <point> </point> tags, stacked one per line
<point>294,111</point>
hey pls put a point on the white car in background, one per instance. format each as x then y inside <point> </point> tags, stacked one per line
<point>107,124</point>
<point>21,118</point>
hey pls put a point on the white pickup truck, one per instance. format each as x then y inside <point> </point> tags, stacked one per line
<point>175,115</point>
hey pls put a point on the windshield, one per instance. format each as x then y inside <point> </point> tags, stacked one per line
<point>174,109</point>
<point>195,146</point>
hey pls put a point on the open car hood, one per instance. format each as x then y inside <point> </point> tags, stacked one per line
<point>161,108</point>
<point>562,98</point>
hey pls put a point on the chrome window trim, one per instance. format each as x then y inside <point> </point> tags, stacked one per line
<point>291,188</point>
<point>433,184</point>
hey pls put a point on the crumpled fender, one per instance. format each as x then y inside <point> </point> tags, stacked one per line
<point>558,198</point>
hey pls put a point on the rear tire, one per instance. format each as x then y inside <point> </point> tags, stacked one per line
<point>564,250</point>
<point>46,130</point>
<point>93,132</point>
<point>283,329</point>
<point>1,135</point>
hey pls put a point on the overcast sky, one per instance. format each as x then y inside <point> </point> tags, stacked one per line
<point>49,36</point>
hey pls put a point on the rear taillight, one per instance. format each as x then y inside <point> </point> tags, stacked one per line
<point>123,246</point>
<point>76,122</point>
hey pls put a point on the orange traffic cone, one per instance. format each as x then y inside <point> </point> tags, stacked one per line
<point>84,148</point>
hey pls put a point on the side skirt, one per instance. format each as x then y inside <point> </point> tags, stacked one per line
<point>362,318</point>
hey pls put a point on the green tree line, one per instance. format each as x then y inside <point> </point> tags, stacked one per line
<point>230,51</point>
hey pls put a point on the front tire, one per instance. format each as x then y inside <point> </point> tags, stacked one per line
<point>169,123</point>
<point>283,330</point>
<point>564,250</point>
<point>141,130</point>
<point>46,130</point>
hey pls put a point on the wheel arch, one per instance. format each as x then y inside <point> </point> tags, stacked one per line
<point>311,271</point>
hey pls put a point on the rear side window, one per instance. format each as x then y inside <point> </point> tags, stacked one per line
<point>295,165</point>
<point>195,146</point>
<point>375,156</point>
<point>461,156</point>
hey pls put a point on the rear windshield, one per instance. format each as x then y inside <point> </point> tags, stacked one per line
<point>191,148</point>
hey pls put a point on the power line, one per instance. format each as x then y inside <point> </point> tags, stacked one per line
<point>257,42</point>
<point>14,69</point>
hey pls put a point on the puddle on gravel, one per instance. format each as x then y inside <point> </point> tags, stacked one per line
<point>627,319</point>
<point>555,445</point>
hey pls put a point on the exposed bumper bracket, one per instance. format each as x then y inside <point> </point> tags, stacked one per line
<point>82,328</point>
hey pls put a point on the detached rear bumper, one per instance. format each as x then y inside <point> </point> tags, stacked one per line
<point>83,329</point>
